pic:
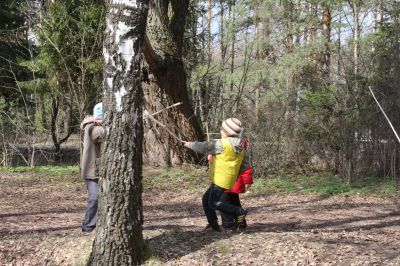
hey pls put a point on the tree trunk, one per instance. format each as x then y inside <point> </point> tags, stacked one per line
<point>119,239</point>
<point>231,6</point>
<point>339,49</point>
<point>396,52</point>
<point>288,10</point>
<point>166,85</point>
<point>379,15</point>
<point>356,36</point>
<point>219,109</point>
<point>290,115</point>
<point>258,56</point>
<point>326,56</point>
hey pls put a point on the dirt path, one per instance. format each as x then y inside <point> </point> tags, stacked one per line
<point>40,217</point>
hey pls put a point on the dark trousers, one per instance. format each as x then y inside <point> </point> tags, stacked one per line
<point>229,220</point>
<point>213,200</point>
<point>92,203</point>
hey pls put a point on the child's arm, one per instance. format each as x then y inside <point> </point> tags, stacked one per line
<point>245,163</point>
<point>206,147</point>
<point>87,120</point>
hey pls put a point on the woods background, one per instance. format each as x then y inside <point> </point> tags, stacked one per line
<point>296,73</point>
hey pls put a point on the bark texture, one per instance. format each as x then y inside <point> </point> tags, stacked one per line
<point>119,239</point>
<point>164,84</point>
<point>326,55</point>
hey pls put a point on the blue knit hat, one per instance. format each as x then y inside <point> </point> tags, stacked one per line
<point>98,111</point>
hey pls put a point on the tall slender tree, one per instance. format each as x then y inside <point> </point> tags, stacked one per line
<point>326,31</point>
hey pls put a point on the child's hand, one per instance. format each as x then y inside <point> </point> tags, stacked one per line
<point>86,120</point>
<point>185,144</point>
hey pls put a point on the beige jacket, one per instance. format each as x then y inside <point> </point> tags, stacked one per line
<point>91,151</point>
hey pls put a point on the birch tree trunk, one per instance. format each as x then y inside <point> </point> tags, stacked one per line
<point>166,85</point>
<point>119,239</point>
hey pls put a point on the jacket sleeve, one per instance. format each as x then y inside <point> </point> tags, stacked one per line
<point>245,163</point>
<point>247,176</point>
<point>97,134</point>
<point>207,147</point>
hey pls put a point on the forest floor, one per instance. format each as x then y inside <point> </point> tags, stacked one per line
<point>40,214</point>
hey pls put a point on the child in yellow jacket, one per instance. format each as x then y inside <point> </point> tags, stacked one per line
<point>229,159</point>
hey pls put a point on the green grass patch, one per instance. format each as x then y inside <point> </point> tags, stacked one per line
<point>48,170</point>
<point>223,249</point>
<point>176,178</point>
<point>192,178</point>
<point>48,178</point>
<point>376,185</point>
<point>323,184</point>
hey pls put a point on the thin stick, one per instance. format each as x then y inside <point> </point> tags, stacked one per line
<point>166,108</point>
<point>380,107</point>
<point>161,125</point>
<point>208,136</point>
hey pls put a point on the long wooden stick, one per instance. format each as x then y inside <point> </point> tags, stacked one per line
<point>380,107</point>
<point>208,136</point>
<point>166,108</point>
<point>161,125</point>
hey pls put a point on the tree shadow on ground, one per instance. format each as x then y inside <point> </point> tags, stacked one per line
<point>332,225</point>
<point>178,241</point>
<point>58,211</point>
<point>4,233</point>
<point>315,205</point>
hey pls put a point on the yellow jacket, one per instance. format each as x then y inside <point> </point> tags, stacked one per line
<point>229,159</point>
<point>226,165</point>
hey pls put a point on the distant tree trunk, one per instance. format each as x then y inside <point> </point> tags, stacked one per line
<point>258,58</point>
<point>54,127</point>
<point>313,36</point>
<point>339,48</point>
<point>396,52</point>
<point>166,84</point>
<point>119,239</point>
<point>396,82</point>
<point>349,146</point>
<point>231,5</point>
<point>356,35</point>
<point>378,15</point>
<point>288,9</point>
<point>209,20</point>
<point>205,95</point>
<point>219,109</point>
<point>290,79</point>
<point>326,31</point>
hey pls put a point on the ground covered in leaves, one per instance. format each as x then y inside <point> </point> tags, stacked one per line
<point>40,214</point>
